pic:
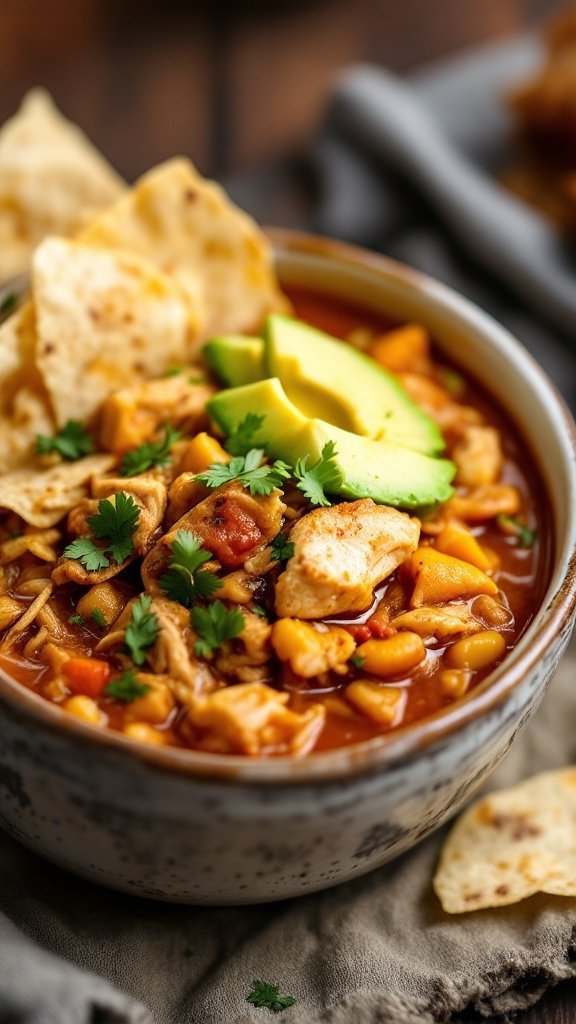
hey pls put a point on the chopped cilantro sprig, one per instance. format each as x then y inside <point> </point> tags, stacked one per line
<point>142,629</point>
<point>241,440</point>
<point>115,524</point>
<point>250,471</point>
<point>268,997</point>
<point>215,624</point>
<point>282,548</point>
<point>324,475</point>
<point>71,443</point>
<point>150,454</point>
<point>185,581</point>
<point>126,688</point>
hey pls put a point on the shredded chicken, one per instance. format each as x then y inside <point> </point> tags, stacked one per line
<point>246,657</point>
<point>340,554</point>
<point>253,719</point>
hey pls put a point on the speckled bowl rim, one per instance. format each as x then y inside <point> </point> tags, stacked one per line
<point>414,740</point>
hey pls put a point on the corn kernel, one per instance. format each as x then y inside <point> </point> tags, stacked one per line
<point>86,709</point>
<point>454,682</point>
<point>395,656</point>
<point>476,652</point>
<point>144,733</point>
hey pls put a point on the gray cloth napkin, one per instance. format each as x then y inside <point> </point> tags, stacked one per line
<point>378,950</point>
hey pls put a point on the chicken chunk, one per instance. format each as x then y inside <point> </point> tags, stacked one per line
<point>230,522</point>
<point>340,554</point>
<point>133,415</point>
<point>149,494</point>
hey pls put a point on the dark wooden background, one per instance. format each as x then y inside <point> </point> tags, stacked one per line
<point>235,85</point>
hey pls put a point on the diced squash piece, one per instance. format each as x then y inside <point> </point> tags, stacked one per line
<point>405,349</point>
<point>439,578</point>
<point>457,540</point>
<point>85,709</point>
<point>201,452</point>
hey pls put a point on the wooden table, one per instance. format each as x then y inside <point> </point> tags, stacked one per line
<point>233,84</point>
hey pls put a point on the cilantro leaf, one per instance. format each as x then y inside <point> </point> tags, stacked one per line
<point>215,624</point>
<point>524,534</point>
<point>323,476</point>
<point>185,582</point>
<point>99,618</point>
<point>116,522</point>
<point>282,548</point>
<point>142,629</point>
<point>126,688</point>
<point>150,454</point>
<point>76,620</point>
<point>71,443</point>
<point>357,660</point>
<point>268,997</point>
<point>85,551</point>
<point>241,440</point>
<point>248,469</point>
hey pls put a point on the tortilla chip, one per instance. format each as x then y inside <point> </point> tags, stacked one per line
<point>194,233</point>
<point>43,496</point>
<point>512,844</point>
<point>52,180</point>
<point>24,406</point>
<point>104,320</point>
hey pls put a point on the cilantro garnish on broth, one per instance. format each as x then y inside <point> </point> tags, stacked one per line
<point>114,524</point>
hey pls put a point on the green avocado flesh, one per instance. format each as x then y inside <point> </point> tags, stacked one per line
<point>235,358</point>
<point>388,473</point>
<point>330,380</point>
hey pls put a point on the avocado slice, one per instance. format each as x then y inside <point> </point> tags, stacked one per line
<point>386,472</point>
<point>267,397</point>
<point>381,470</point>
<point>235,358</point>
<point>329,379</point>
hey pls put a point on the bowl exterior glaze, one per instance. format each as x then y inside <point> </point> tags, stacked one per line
<point>205,829</point>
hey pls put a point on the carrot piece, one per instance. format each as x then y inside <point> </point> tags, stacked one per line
<point>439,577</point>
<point>457,540</point>
<point>86,675</point>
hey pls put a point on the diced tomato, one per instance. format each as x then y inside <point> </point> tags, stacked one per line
<point>230,532</point>
<point>379,630</point>
<point>86,675</point>
<point>360,633</point>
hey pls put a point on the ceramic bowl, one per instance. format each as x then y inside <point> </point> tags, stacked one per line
<point>202,828</point>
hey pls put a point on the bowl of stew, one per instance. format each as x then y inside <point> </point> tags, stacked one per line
<point>322,713</point>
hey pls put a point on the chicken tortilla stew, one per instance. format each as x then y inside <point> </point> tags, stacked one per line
<point>241,521</point>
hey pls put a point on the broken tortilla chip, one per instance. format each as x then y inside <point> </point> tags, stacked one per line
<point>104,320</point>
<point>512,844</point>
<point>24,407</point>
<point>52,180</point>
<point>43,496</point>
<point>190,229</point>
